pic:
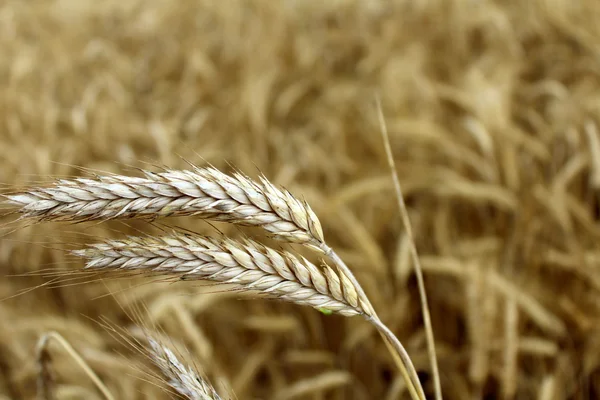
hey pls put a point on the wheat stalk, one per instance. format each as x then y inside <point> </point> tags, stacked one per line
<point>45,380</point>
<point>204,192</point>
<point>414,255</point>
<point>248,265</point>
<point>211,194</point>
<point>182,378</point>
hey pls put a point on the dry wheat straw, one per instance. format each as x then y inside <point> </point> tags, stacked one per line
<point>414,255</point>
<point>204,192</point>
<point>182,378</point>
<point>248,265</point>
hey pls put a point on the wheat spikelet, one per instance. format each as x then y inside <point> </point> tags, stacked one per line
<point>248,265</point>
<point>182,378</point>
<point>204,192</point>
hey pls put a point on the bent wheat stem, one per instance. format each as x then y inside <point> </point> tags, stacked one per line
<point>409,372</point>
<point>401,357</point>
<point>42,356</point>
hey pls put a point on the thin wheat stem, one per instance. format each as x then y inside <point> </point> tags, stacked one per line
<point>45,379</point>
<point>399,353</point>
<point>204,192</point>
<point>415,257</point>
<point>409,373</point>
<point>42,348</point>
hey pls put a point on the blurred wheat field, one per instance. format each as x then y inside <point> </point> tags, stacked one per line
<point>493,112</point>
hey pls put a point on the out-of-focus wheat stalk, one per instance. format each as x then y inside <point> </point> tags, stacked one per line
<point>43,358</point>
<point>414,255</point>
<point>182,378</point>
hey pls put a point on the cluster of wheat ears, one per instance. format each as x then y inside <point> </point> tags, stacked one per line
<point>250,266</point>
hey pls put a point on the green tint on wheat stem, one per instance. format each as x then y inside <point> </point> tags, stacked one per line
<point>394,345</point>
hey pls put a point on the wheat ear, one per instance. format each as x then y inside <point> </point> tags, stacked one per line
<point>248,265</point>
<point>182,378</point>
<point>209,194</point>
<point>204,192</point>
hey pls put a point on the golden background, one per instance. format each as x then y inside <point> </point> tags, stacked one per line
<point>493,111</point>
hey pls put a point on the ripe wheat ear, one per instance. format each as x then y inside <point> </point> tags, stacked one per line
<point>249,266</point>
<point>211,194</point>
<point>204,192</point>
